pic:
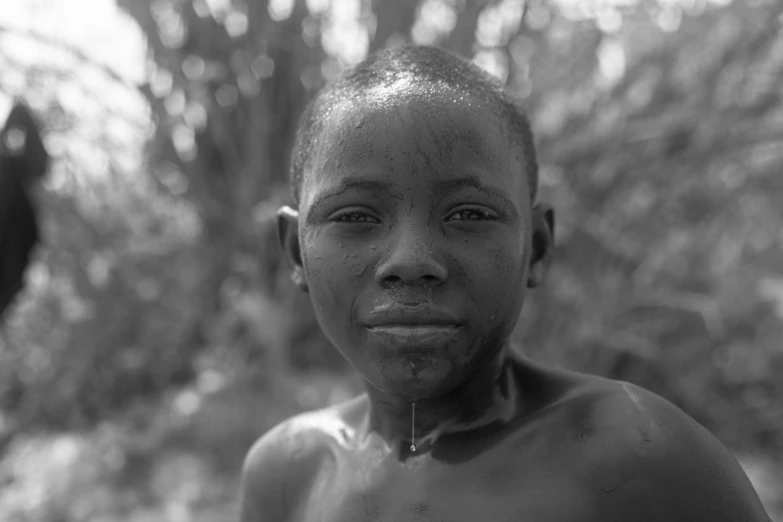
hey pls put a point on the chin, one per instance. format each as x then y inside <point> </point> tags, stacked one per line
<point>418,379</point>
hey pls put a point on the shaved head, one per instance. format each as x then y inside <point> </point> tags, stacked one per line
<point>402,74</point>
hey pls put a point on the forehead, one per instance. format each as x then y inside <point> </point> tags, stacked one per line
<point>408,102</point>
<point>429,129</point>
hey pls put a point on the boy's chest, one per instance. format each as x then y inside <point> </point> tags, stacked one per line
<point>483,493</point>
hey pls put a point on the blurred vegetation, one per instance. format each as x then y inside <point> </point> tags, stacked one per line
<point>159,335</point>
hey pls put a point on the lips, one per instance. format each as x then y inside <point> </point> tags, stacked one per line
<point>403,315</point>
<point>415,335</point>
<point>413,326</point>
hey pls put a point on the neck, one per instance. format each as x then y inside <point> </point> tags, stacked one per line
<point>489,396</point>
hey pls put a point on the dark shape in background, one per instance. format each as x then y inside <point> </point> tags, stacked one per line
<point>23,162</point>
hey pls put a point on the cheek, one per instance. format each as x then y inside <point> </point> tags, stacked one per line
<point>494,274</point>
<point>333,270</point>
<point>495,263</point>
<point>509,274</point>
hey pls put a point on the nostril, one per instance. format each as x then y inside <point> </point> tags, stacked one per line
<point>392,280</point>
<point>430,279</point>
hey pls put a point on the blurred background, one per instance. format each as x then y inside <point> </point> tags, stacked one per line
<point>157,334</point>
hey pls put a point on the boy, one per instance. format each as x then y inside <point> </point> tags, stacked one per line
<point>416,234</point>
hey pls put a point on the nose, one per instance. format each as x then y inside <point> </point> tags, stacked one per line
<point>410,261</point>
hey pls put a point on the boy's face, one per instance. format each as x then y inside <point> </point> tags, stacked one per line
<point>414,238</point>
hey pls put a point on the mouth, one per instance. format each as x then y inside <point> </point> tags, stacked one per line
<point>415,335</point>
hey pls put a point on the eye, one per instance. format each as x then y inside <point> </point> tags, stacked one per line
<point>354,216</point>
<point>471,214</point>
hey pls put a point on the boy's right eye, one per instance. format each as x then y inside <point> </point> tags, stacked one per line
<point>354,216</point>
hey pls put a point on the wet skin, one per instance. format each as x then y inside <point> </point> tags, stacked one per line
<point>416,239</point>
<point>415,232</point>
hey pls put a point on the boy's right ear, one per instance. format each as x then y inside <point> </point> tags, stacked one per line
<point>288,237</point>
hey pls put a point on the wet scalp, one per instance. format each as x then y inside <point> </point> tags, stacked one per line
<point>413,71</point>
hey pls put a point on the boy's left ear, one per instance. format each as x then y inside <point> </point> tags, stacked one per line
<point>288,238</point>
<point>543,243</point>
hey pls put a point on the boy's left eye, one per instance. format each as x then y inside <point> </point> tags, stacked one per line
<point>471,214</point>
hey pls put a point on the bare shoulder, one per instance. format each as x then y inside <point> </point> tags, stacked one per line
<point>649,460</point>
<point>282,465</point>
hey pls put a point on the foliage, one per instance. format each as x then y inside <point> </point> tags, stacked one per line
<point>159,306</point>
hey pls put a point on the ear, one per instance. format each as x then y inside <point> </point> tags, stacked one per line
<point>543,244</point>
<point>288,237</point>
